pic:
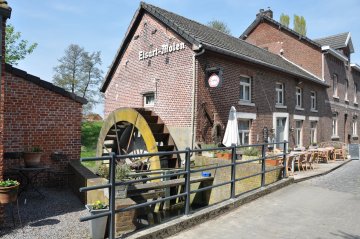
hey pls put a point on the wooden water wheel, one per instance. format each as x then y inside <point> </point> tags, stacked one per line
<point>135,131</point>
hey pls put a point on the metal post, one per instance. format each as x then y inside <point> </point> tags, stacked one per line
<point>233,170</point>
<point>187,181</point>
<point>263,155</point>
<point>112,196</point>
<point>284,159</point>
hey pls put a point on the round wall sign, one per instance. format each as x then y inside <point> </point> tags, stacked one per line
<point>214,80</point>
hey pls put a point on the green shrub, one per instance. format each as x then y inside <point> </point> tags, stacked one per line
<point>251,151</point>
<point>8,183</point>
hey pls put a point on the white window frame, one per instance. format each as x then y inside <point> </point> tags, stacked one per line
<point>346,90</point>
<point>145,96</point>
<point>279,88</point>
<point>243,132</point>
<point>299,134</point>
<point>335,86</point>
<point>244,116</point>
<point>354,127</point>
<point>313,131</point>
<point>313,100</point>
<point>298,97</point>
<point>243,87</point>
<point>355,93</point>
<point>335,126</point>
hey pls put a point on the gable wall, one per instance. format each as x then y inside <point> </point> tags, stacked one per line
<point>295,50</point>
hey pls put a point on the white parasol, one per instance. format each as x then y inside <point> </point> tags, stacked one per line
<point>231,133</point>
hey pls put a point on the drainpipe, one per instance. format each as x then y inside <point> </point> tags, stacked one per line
<point>193,103</point>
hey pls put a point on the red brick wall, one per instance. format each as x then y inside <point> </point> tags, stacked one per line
<point>174,86</point>
<point>35,116</point>
<point>219,100</point>
<point>298,51</point>
<point>333,66</point>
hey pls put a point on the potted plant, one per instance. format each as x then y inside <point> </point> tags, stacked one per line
<point>224,154</point>
<point>8,191</point>
<point>250,153</point>
<point>98,225</point>
<point>210,154</point>
<point>122,172</point>
<point>32,157</point>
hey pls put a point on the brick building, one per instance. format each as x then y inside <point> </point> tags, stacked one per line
<point>328,58</point>
<point>171,65</point>
<point>34,112</point>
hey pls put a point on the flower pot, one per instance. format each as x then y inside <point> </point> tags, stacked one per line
<point>32,159</point>
<point>223,155</point>
<point>273,162</point>
<point>98,225</point>
<point>8,194</point>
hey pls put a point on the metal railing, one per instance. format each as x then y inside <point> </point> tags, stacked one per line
<point>186,172</point>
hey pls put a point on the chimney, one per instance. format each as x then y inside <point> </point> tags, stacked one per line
<point>267,13</point>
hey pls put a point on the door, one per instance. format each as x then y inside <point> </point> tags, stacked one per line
<point>280,131</point>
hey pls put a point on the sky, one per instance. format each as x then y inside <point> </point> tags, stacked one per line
<point>101,25</point>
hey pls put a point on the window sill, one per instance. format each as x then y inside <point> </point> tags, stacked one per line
<point>336,97</point>
<point>356,103</point>
<point>346,101</point>
<point>281,106</point>
<point>335,137</point>
<point>298,108</point>
<point>314,110</point>
<point>246,103</point>
<point>355,137</point>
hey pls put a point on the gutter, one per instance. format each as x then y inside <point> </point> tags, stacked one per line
<point>355,66</point>
<point>334,53</point>
<point>193,103</point>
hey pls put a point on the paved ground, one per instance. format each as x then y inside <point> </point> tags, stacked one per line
<point>55,216</point>
<point>322,207</point>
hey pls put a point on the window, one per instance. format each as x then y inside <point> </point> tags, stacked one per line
<point>335,86</point>
<point>245,89</point>
<point>298,97</point>
<point>244,131</point>
<point>346,90</point>
<point>313,100</point>
<point>149,100</point>
<point>335,125</point>
<point>298,133</point>
<point>354,126</point>
<point>279,94</point>
<point>313,125</point>
<point>355,93</point>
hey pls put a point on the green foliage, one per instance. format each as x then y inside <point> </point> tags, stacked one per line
<point>99,205</point>
<point>284,19</point>
<point>300,25</point>
<point>251,151</point>
<point>16,48</point>
<point>89,134</point>
<point>122,171</point>
<point>35,149</point>
<point>8,183</point>
<point>219,25</point>
<point>78,72</point>
<point>209,146</point>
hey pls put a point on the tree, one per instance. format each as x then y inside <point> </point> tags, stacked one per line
<point>285,19</point>
<point>79,73</point>
<point>16,48</point>
<point>219,25</point>
<point>300,25</point>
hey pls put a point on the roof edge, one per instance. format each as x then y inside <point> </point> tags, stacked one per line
<point>334,53</point>
<point>260,19</point>
<point>44,84</point>
<point>255,61</point>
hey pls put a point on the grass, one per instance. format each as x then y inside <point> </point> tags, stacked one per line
<point>89,136</point>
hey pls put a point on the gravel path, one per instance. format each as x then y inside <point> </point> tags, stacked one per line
<point>55,216</point>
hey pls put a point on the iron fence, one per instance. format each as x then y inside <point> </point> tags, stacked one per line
<point>186,172</point>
